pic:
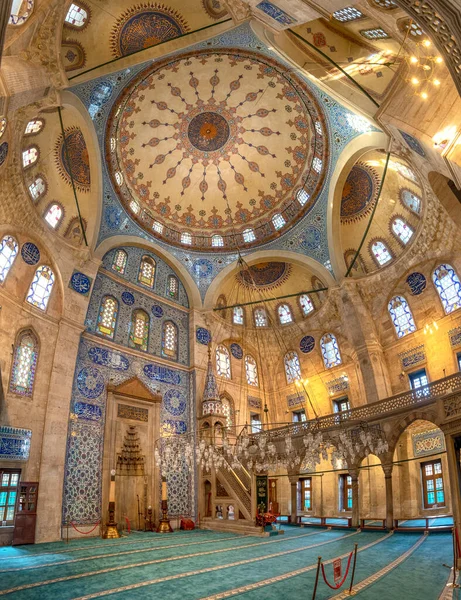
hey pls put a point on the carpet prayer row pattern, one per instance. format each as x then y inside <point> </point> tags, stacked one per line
<point>204,564</point>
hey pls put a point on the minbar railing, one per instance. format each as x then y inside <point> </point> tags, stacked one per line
<point>422,396</point>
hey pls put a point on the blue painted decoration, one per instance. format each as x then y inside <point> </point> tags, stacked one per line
<point>14,443</point>
<point>30,253</point>
<point>162,374</point>
<point>87,412</point>
<point>236,351</point>
<point>128,298</point>
<point>90,382</point>
<point>413,143</point>
<point>112,217</point>
<point>80,283</point>
<point>157,311</point>
<point>203,267</point>
<point>174,402</point>
<point>203,336</point>
<point>108,358</point>
<point>417,283</point>
<point>176,427</point>
<point>307,344</point>
<point>276,13</point>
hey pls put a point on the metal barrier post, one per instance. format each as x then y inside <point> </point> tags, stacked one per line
<point>350,592</point>
<point>316,578</point>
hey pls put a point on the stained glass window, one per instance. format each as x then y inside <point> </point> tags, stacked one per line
<point>24,364</point>
<point>119,262</point>
<point>8,252</point>
<point>448,287</point>
<point>34,126</point>
<point>306,304</point>
<point>278,221</point>
<point>37,188</point>
<point>374,34</point>
<point>146,273</point>
<point>20,11</point>
<point>317,164</point>
<point>260,317</point>
<point>411,201</point>
<point>330,351</point>
<point>238,315</point>
<point>134,207</point>
<point>186,238</point>
<point>251,369</point>
<point>217,241</point>
<point>386,4</point>
<point>284,313</point>
<point>248,236</point>
<point>76,15</point>
<point>401,316</point>
<point>40,288</point>
<point>53,215</point>
<point>302,197</point>
<point>139,330</point>
<point>402,230</point>
<point>108,316</point>
<point>292,367</point>
<point>157,226</point>
<point>223,362</point>
<point>349,13</point>
<point>170,340</point>
<point>172,287</point>
<point>433,488</point>
<point>381,253</point>
<point>118,177</point>
<point>29,156</point>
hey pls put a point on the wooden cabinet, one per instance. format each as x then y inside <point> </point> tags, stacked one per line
<point>26,513</point>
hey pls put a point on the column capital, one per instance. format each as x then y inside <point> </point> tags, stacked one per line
<point>293,479</point>
<point>387,468</point>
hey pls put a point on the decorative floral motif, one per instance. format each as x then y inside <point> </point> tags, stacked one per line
<point>276,13</point>
<point>88,412</point>
<point>108,358</point>
<point>80,283</point>
<point>78,157</point>
<point>14,443</point>
<point>417,283</point>
<point>203,267</point>
<point>112,217</point>
<point>90,382</point>
<point>157,311</point>
<point>174,402</point>
<point>359,193</point>
<point>203,336</point>
<point>215,9</point>
<point>127,298</point>
<point>236,351</point>
<point>145,25</point>
<point>164,374</point>
<point>413,143</point>
<point>307,344</point>
<point>176,427</point>
<point>266,274</point>
<point>30,253</point>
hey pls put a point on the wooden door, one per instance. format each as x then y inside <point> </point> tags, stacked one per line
<point>26,513</point>
<point>273,496</point>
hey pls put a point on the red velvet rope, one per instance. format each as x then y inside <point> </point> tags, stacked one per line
<point>85,532</point>
<point>128,524</point>
<point>336,587</point>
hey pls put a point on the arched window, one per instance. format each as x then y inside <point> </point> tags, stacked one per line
<point>139,330</point>
<point>108,316</point>
<point>403,170</point>
<point>34,126</point>
<point>411,201</point>
<point>186,238</point>
<point>25,356</point>
<point>381,253</point>
<point>223,362</point>
<point>401,316</point>
<point>29,156</point>
<point>157,226</point>
<point>8,252</point>
<point>76,16</point>
<point>134,206</point>
<point>448,287</point>
<point>347,14</point>
<point>402,230</point>
<point>217,241</point>
<point>172,287</point>
<point>118,177</point>
<point>20,11</point>
<point>248,236</point>
<point>292,367</point>
<point>238,316</point>
<point>119,262</point>
<point>330,351</point>
<point>37,188</point>
<point>40,289</point>
<point>302,197</point>
<point>146,273</point>
<point>284,313</point>
<point>260,317</point>
<point>306,304</point>
<point>53,215</point>
<point>251,369</point>
<point>377,33</point>
<point>170,340</point>
<point>278,221</point>
<point>385,4</point>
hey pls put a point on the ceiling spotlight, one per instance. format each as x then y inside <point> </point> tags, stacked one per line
<point>414,81</point>
<point>436,82</point>
<point>424,96</point>
<point>439,60</point>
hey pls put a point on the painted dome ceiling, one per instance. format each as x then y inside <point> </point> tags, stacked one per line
<point>214,143</point>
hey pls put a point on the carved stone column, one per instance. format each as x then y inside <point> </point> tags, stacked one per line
<point>387,468</point>
<point>454,474</point>
<point>354,474</point>
<point>294,479</point>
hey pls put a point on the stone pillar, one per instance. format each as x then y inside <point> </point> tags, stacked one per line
<point>355,498</point>
<point>294,497</point>
<point>52,467</point>
<point>387,468</point>
<point>453,471</point>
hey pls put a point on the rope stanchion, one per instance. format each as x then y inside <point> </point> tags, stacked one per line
<point>336,587</point>
<point>128,524</point>
<point>319,562</point>
<point>85,532</point>
<point>350,592</point>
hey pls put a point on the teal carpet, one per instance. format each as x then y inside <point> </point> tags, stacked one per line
<point>433,522</point>
<point>203,564</point>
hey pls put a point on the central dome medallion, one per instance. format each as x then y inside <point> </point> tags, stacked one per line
<point>214,143</point>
